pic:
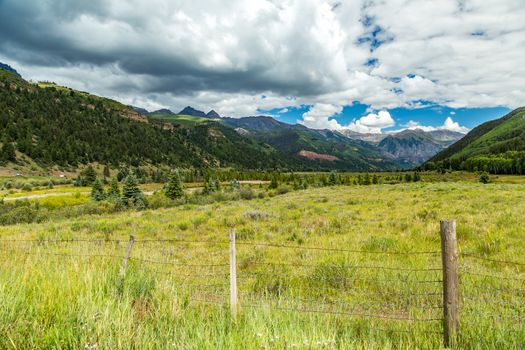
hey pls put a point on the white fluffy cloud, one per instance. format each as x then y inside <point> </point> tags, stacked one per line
<point>318,117</point>
<point>238,56</point>
<point>372,123</point>
<point>448,124</point>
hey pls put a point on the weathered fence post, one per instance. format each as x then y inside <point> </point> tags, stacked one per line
<point>233,277</point>
<point>449,256</point>
<point>122,271</point>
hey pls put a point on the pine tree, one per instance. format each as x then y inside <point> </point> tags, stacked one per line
<point>235,184</point>
<point>97,191</point>
<point>132,196</point>
<point>274,183</point>
<point>174,187</point>
<point>114,190</point>
<point>210,186</point>
<point>332,180</point>
<point>8,153</point>
<point>367,180</point>
<point>78,181</point>
<point>89,176</point>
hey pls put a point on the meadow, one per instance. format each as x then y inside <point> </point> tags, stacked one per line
<point>375,283</point>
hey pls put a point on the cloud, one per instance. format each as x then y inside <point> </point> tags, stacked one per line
<point>372,123</point>
<point>451,125</point>
<point>226,55</point>
<point>448,124</point>
<point>318,117</point>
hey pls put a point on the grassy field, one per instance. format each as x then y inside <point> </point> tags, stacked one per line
<point>64,295</point>
<point>185,120</point>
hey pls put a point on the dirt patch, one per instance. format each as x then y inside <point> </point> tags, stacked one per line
<point>133,115</point>
<point>215,133</point>
<point>317,156</point>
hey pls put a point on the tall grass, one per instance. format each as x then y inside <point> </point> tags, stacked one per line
<point>56,301</point>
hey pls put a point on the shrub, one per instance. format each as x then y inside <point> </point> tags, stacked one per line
<point>484,178</point>
<point>283,189</point>
<point>255,215</point>
<point>27,187</point>
<point>247,193</point>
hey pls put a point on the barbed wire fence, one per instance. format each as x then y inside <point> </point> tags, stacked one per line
<point>423,296</point>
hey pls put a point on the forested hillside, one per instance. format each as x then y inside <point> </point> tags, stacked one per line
<point>67,128</point>
<point>53,125</point>
<point>497,146</point>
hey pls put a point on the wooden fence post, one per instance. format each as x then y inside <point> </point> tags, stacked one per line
<point>122,271</point>
<point>449,256</point>
<point>233,277</point>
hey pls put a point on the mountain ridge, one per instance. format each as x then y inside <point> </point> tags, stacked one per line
<point>210,140</point>
<point>497,146</point>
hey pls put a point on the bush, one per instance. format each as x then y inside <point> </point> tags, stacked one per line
<point>27,187</point>
<point>283,189</point>
<point>247,193</point>
<point>255,215</point>
<point>484,178</point>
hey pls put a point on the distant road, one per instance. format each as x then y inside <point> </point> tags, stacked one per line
<point>147,193</point>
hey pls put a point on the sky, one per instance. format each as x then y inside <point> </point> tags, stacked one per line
<point>370,66</point>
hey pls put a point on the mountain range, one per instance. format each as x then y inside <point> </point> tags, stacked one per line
<point>407,148</point>
<point>53,125</point>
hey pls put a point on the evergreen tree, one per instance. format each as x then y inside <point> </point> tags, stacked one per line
<point>274,182</point>
<point>332,180</point>
<point>132,196</point>
<point>375,179</point>
<point>8,152</point>
<point>408,178</point>
<point>174,187</point>
<point>210,186</point>
<point>235,184</point>
<point>416,177</point>
<point>97,191</point>
<point>89,176</point>
<point>114,190</point>
<point>367,180</point>
<point>78,181</point>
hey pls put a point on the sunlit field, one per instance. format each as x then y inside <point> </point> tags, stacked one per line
<point>338,267</point>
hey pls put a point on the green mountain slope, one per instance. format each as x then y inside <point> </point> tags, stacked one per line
<point>53,125</point>
<point>497,146</point>
<point>328,149</point>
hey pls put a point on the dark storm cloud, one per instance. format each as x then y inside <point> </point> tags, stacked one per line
<point>228,54</point>
<point>39,33</point>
